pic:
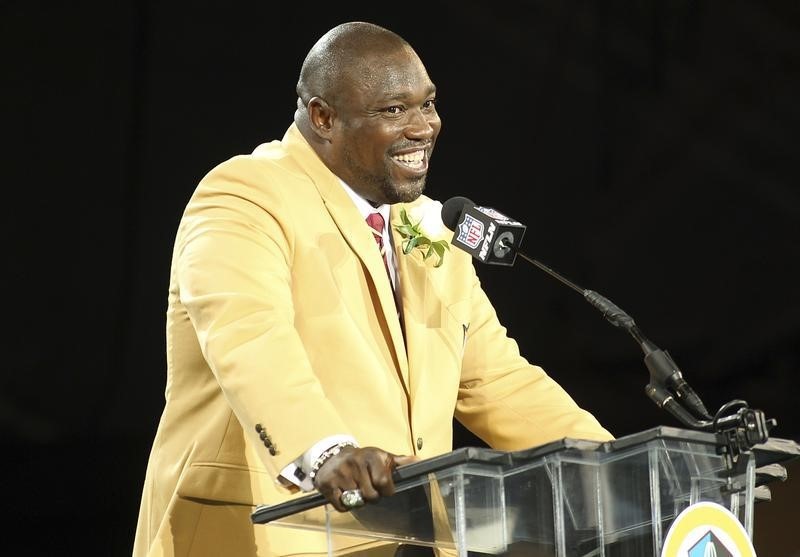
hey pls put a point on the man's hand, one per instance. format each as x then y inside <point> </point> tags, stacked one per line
<point>368,469</point>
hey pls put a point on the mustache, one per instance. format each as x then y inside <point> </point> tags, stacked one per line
<point>411,144</point>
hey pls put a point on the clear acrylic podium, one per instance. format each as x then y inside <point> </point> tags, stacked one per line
<point>566,499</point>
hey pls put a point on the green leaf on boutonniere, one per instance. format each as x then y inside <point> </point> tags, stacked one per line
<point>414,237</point>
<point>409,245</point>
<point>406,230</point>
<point>438,248</point>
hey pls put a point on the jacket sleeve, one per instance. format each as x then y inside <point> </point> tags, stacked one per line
<point>233,260</point>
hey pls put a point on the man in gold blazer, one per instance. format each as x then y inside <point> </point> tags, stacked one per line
<point>298,358</point>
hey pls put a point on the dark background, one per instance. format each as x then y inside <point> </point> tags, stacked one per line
<point>651,147</point>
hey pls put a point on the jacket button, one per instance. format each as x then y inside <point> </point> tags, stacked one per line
<point>259,427</point>
<point>419,443</point>
<point>272,450</point>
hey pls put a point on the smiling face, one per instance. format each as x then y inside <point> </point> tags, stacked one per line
<point>367,107</point>
<point>385,127</point>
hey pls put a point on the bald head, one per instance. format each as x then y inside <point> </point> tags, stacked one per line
<point>343,56</point>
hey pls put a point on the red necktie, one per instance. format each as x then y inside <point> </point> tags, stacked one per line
<point>376,223</point>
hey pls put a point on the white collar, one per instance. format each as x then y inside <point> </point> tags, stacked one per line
<point>365,207</point>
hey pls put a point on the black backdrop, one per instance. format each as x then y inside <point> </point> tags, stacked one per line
<point>651,148</point>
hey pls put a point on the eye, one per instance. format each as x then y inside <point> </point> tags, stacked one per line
<point>396,109</point>
<point>429,104</point>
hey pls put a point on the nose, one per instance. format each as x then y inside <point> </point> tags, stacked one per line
<point>421,125</point>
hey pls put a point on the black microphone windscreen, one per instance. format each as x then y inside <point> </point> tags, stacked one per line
<point>452,208</point>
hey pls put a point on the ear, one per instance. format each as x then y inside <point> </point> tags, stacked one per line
<point>321,117</point>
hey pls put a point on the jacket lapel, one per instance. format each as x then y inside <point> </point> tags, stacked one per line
<point>357,235</point>
<point>412,273</point>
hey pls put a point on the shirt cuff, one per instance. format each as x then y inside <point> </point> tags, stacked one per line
<point>297,471</point>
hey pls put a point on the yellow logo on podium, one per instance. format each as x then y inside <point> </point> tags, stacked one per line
<point>707,530</point>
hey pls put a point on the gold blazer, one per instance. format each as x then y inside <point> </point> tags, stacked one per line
<point>281,314</point>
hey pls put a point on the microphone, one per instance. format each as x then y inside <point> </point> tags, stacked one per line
<point>485,233</point>
<point>664,371</point>
<point>469,222</point>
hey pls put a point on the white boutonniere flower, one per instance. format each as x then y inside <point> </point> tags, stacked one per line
<point>422,228</point>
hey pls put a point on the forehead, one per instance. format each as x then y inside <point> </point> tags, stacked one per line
<point>391,75</point>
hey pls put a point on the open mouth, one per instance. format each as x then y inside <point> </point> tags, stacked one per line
<point>414,160</point>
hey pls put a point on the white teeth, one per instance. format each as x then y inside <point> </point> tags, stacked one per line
<point>411,159</point>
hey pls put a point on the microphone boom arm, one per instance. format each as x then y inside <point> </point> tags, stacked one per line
<point>741,430</point>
